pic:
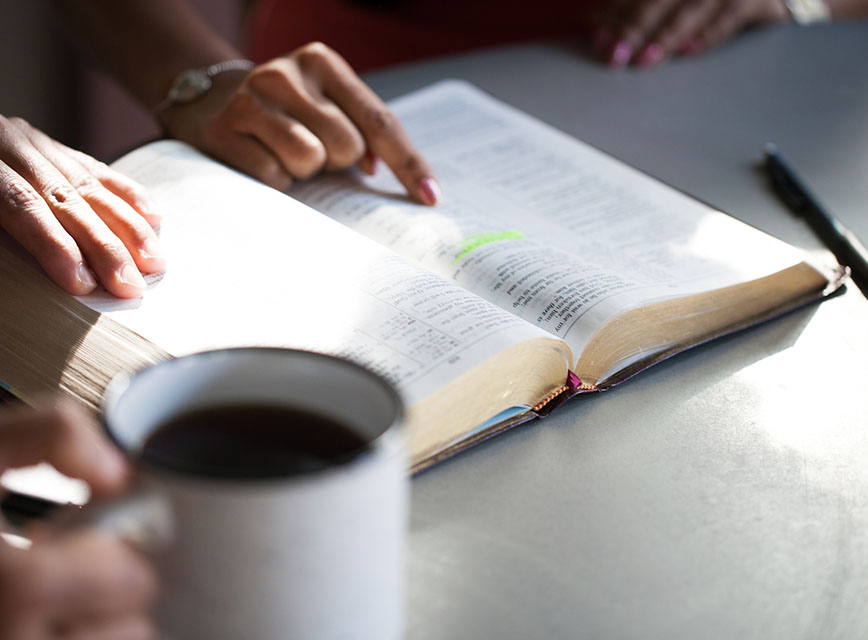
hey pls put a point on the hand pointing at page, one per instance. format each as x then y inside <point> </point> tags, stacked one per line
<point>295,116</point>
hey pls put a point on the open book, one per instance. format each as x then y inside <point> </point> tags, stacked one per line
<point>549,269</point>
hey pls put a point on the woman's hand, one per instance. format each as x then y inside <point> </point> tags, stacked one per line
<point>80,584</point>
<point>645,32</point>
<point>298,115</point>
<point>81,220</point>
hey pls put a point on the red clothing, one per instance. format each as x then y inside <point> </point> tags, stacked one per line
<point>371,37</point>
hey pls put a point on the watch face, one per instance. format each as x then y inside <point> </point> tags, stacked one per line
<point>190,85</point>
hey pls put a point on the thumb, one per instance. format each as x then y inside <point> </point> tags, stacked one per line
<point>61,433</point>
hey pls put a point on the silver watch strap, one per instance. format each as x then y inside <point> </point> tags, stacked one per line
<point>193,83</point>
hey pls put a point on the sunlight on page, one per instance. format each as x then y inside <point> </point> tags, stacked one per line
<point>230,268</point>
<point>581,237</point>
<point>250,266</point>
<point>715,235</point>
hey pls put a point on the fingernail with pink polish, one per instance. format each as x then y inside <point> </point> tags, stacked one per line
<point>84,275</point>
<point>129,274</point>
<point>621,54</point>
<point>429,191</point>
<point>650,55</point>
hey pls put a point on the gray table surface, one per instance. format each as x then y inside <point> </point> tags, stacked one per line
<point>724,493</point>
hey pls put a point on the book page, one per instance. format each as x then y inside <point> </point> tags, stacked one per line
<point>546,227</point>
<point>250,266</point>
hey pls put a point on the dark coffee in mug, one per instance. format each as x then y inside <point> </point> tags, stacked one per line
<point>250,441</point>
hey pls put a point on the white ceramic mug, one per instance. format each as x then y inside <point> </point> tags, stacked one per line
<point>319,554</point>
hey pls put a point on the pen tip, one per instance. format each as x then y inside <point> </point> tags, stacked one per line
<point>770,149</point>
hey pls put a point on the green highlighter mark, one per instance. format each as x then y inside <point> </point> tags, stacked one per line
<point>472,243</point>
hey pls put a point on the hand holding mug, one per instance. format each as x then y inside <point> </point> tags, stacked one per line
<point>78,583</point>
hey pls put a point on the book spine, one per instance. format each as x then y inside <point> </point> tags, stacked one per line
<point>557,397</point>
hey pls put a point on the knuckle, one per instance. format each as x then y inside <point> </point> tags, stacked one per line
<point>380,122</point>
<point>263,70</point>
<point>61,195</point>
<point>411,164</point>
<point>314,53</point>
<point>310,160</point>
<point>88,186</point>
<point>21,196</point>
<point>268,75</point>
<point>313,152</point>
<point>19,123</point>
<point>343,141</point>
<point>112,250</point>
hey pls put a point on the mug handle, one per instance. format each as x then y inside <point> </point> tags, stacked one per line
<point>141,517</point>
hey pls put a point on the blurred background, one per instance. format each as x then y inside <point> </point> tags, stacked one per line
<point>44,80</point>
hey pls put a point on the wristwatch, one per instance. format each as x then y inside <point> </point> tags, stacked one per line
<point>194,83</point>
<point>808,11</point>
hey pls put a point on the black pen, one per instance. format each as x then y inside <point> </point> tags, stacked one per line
<point>838,239</point>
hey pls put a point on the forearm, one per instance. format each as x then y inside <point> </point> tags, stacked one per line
<point>144,44</point>
<point>286,119</point>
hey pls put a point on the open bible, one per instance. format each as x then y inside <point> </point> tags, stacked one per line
<point>549,269</point>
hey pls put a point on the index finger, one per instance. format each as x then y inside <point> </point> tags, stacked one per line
<point>63,434</point>
<point>382,131</point>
